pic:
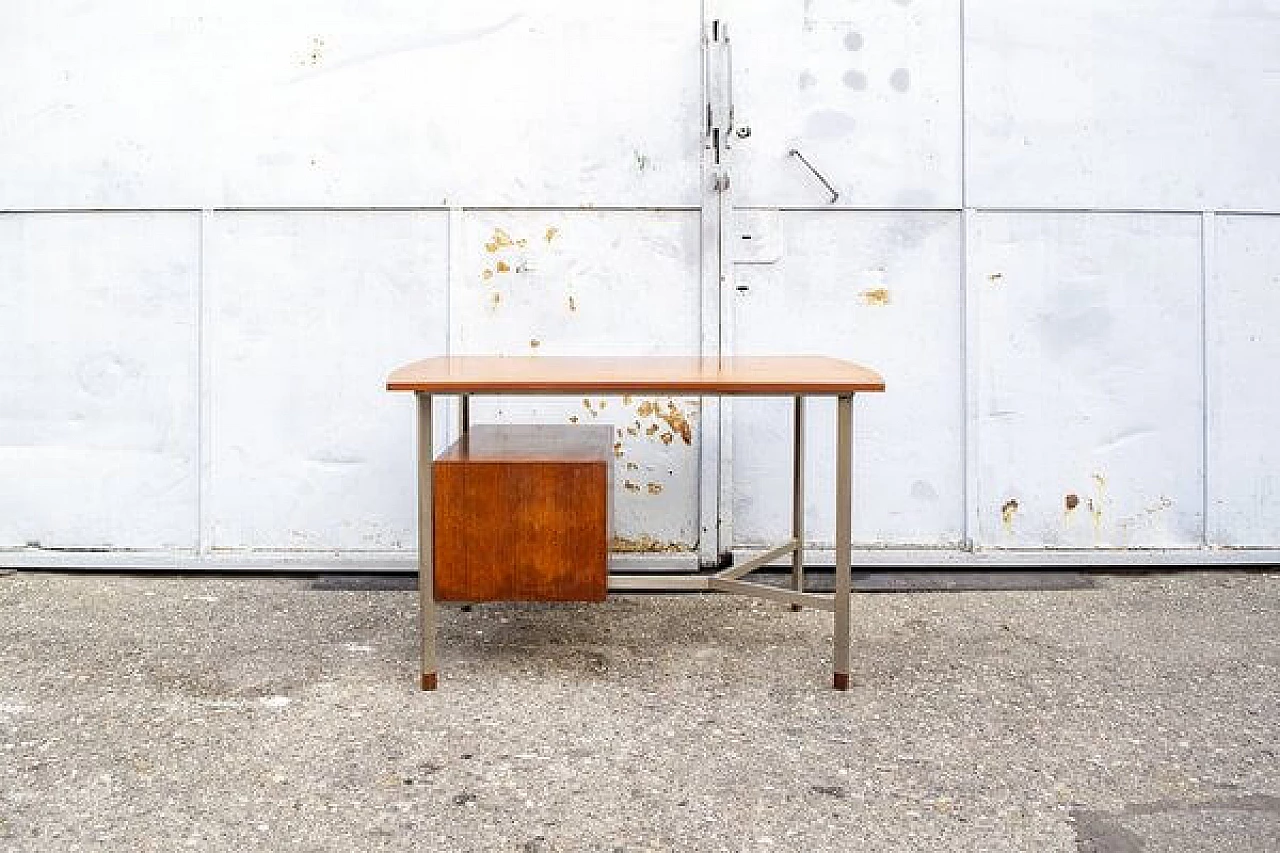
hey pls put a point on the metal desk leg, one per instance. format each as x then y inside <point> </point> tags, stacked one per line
<point>426,583</point>
<point>797,501</point>
<point>844,513</point>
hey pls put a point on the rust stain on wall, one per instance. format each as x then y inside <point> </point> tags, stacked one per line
<point>500,240</point>
<point>878,296</point>
<point>645,545</point>
<point>677,422</point>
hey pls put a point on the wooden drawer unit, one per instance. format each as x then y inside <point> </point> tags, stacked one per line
<point>522,513</point>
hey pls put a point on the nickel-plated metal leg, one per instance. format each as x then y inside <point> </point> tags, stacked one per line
<point>426,575</point>
<point>844,518</point>
<point>797,500</point>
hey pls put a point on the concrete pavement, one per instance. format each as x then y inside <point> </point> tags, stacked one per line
<point>236,713</point>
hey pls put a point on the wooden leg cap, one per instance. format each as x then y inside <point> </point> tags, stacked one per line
<point>842,681</point>
<point>428,681</point>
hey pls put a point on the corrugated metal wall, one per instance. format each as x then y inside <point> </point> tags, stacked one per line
<point>222,224</point>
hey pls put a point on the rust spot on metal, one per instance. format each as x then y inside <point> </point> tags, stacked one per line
<point>1008,511</point>
<point>503,266</point>
<point>1072,501</point>
<point>878,296</point>
<point>552,233</point>
<point>644,544</point>
<point>500,240</point>
<point>314,56</point>
<point>677,422</point>
<point>654,488</point>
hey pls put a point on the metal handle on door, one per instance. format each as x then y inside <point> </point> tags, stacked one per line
<point>834,194</point>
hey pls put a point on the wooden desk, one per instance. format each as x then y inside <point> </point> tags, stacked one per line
<point>797,377</point>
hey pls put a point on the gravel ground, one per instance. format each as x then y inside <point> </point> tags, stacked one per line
<point>237,713</point>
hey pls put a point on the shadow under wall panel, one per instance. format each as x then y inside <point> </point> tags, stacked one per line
<point>584,282</point>
<point>98,379</point>
<point>1244,406</point>
<point>1089,413</point>
<point>882,289</point>
<point>1152,104</point>
<point>306,314</point>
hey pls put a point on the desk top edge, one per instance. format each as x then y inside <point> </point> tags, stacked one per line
<point>660,374</point>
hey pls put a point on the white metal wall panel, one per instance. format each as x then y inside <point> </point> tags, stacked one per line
<point>1244,407</point>
<point>306,314</point>
<point>883,289</point>
<point>101,105</point>
<point>868,92</point>
<point>1090,403</point>
<point>590,283</point>
<point>332,103</point>
<point>1151,104</point>
<point>98,368</point>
